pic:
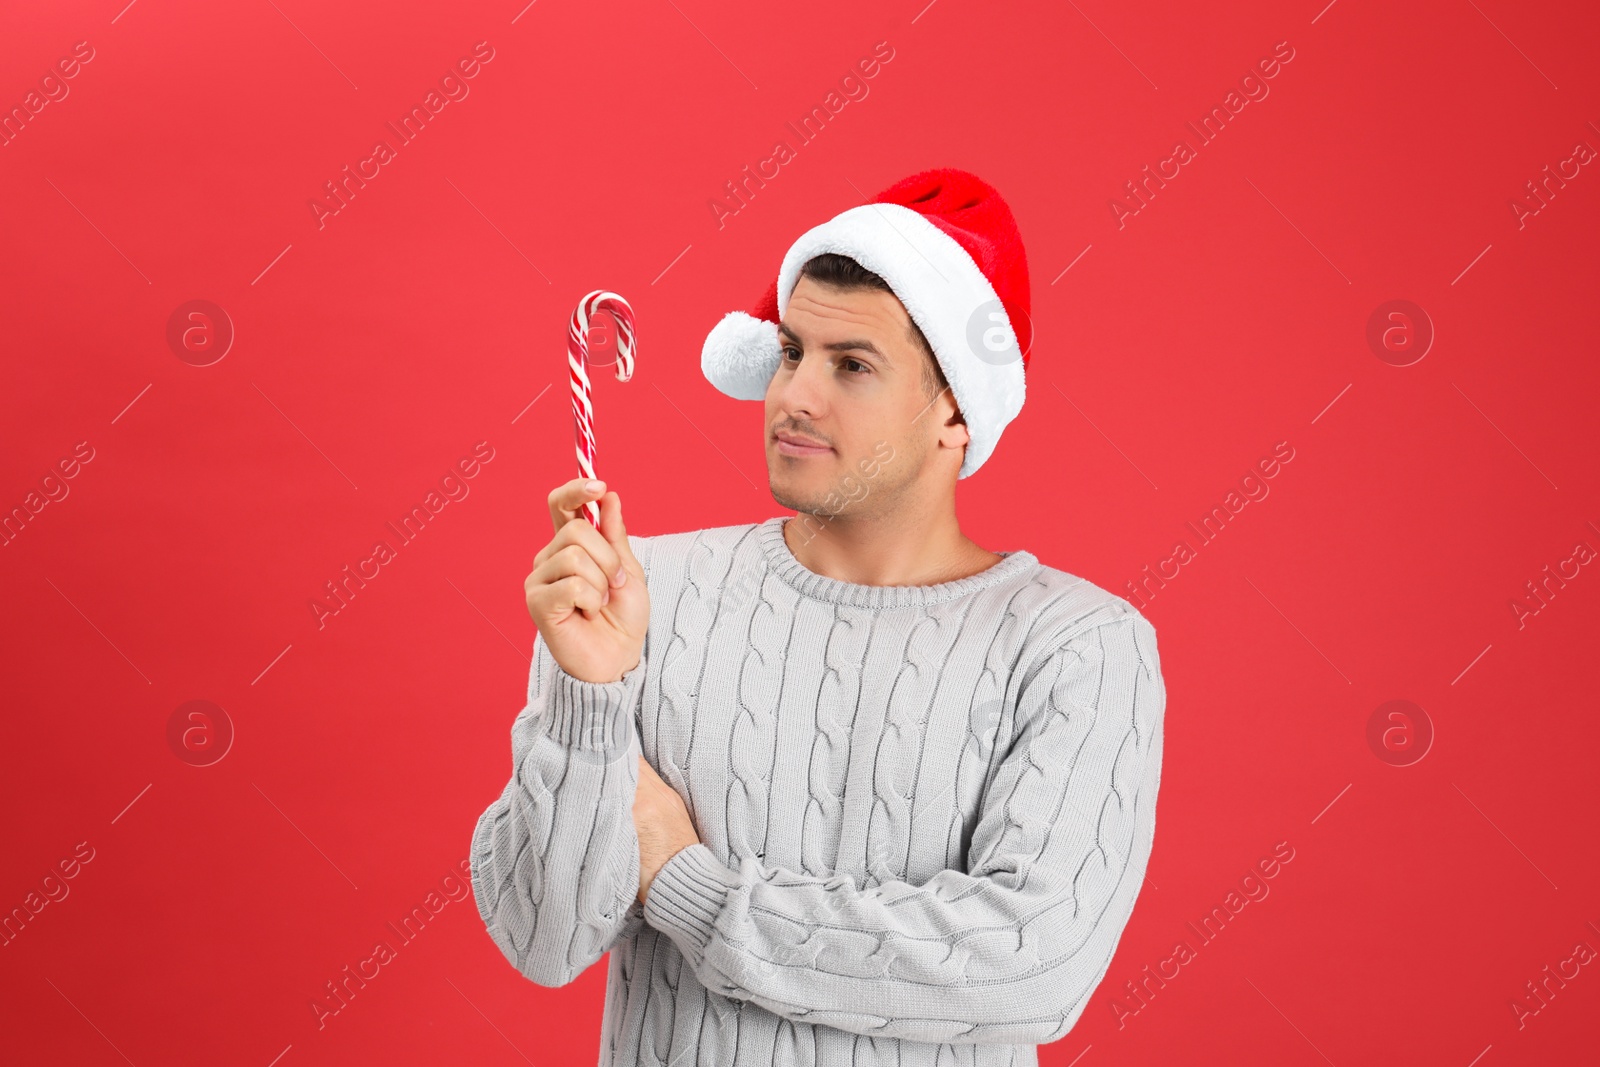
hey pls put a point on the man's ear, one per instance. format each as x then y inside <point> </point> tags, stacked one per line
<point>956,413</point>
<point>954,419</point>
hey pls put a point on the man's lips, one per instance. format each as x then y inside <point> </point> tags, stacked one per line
<point>799,446</point>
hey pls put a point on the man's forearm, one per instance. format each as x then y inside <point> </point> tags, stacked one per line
<point>555,858</point>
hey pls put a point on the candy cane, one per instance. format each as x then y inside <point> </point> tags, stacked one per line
<point>577,364</point>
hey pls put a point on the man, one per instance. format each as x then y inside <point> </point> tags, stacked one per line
<point>848,787</point>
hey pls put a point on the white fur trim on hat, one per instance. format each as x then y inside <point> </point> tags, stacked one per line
<point>740,355</point>
<point>946,295</point>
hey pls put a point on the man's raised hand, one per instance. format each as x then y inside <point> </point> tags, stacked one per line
<point>587,592</point>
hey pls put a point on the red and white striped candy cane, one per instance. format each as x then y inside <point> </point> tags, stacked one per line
<point>577,365</point>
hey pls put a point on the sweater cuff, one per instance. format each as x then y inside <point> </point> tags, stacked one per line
<point>686,896</point>
<point>592,716</point>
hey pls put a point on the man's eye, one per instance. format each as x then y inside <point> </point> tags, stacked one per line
<point>851,365</point>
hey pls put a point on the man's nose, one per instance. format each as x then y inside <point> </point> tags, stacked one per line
<point>804,389</point>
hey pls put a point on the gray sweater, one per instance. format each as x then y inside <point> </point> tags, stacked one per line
<point>925,812</point>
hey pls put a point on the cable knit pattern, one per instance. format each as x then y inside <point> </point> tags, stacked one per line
<point>925,812</point>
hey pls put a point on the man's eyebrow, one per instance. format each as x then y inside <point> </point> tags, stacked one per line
<point>857,345</point>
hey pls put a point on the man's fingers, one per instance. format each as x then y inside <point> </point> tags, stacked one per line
<point>616,535</point>
<point>573,561</point>
<point>646,772</point>
<point>566,501</point>
<point>580,533</point>
<point>573,592</point>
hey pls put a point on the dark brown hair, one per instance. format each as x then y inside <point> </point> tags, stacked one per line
<point>842,272</point>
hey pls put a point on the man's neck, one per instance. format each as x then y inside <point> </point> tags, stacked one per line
<point>886,550</point>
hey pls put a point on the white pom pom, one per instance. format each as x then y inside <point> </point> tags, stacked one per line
<point>740,355</point>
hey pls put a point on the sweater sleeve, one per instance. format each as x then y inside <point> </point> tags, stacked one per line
<point>1006,951</point>
<point>555,859</point>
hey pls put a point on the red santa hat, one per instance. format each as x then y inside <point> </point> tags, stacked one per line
<point>948,246</point>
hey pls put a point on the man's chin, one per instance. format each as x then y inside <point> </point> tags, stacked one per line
<point>797,498</point>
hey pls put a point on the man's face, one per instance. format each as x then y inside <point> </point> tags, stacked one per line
<point>851,379</point>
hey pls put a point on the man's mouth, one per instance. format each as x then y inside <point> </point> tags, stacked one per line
<point>794,445</point>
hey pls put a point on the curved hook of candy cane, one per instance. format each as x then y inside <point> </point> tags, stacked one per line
<point>621,313</point>
<point>577,364</point>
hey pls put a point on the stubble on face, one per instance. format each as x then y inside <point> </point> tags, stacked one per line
<point>852,492</point>
<point>845,483</point>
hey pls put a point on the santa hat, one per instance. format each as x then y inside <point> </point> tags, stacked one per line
<point>948,246</point>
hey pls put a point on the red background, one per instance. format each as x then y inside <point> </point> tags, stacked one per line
<point>374,352</point>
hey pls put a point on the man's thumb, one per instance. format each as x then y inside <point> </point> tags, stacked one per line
<point>613,530</point>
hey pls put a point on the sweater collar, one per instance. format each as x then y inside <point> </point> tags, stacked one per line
<point>820,587</point>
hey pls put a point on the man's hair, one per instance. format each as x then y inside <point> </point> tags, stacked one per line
<point>842,272</point>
